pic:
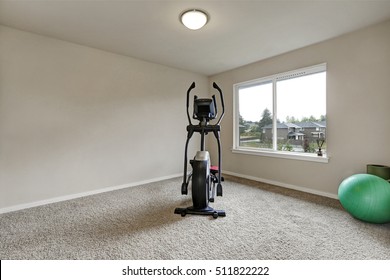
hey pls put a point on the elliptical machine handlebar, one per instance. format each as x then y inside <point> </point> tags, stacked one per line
<point>222,103</point>
<point>192,86</point>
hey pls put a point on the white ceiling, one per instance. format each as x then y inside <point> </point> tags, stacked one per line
<point>238,33</point>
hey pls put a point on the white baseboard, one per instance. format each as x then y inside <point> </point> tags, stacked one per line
<point>83,194</point>
<point>113,188</point>
<point>284,185</point>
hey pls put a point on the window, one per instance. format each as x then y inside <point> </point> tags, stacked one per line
<point>294,103</point>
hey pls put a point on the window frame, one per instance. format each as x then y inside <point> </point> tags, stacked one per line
<point>274,152</point>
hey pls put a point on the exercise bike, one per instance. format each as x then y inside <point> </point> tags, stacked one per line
<point>203,177</point>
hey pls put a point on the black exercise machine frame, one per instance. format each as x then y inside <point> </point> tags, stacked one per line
<point>204,127</point>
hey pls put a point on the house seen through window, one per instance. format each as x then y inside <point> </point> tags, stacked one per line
<point>293,102</point>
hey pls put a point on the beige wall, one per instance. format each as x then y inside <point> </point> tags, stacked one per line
<point>75,119</point>
<point>358,109</point>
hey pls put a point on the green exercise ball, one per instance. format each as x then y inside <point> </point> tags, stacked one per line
<point>366,197</point>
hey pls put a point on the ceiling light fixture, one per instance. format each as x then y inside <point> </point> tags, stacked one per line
<point>194,19</point>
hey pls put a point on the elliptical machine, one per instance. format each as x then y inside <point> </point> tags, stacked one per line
<point>204,177</point>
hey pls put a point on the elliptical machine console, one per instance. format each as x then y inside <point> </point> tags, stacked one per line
<point>203,177</point>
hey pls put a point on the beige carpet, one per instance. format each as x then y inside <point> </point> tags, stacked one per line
<point>262,222</point>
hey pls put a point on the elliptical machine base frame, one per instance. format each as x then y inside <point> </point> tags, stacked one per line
<point>206,211</point>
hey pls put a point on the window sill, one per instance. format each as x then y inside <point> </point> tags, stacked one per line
<point>280,154</point>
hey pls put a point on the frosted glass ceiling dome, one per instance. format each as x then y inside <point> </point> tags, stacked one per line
<point>194,19</point>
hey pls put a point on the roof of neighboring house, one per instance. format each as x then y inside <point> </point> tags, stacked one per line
<point>312,124</point>
<point>283,125</point>
<point>321,124</point>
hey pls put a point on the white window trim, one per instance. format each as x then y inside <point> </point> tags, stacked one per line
<point>266,152</point>
<point>281,154</point>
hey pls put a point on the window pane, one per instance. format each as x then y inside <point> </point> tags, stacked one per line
<point>255,119</point>
<point>301,113</point>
